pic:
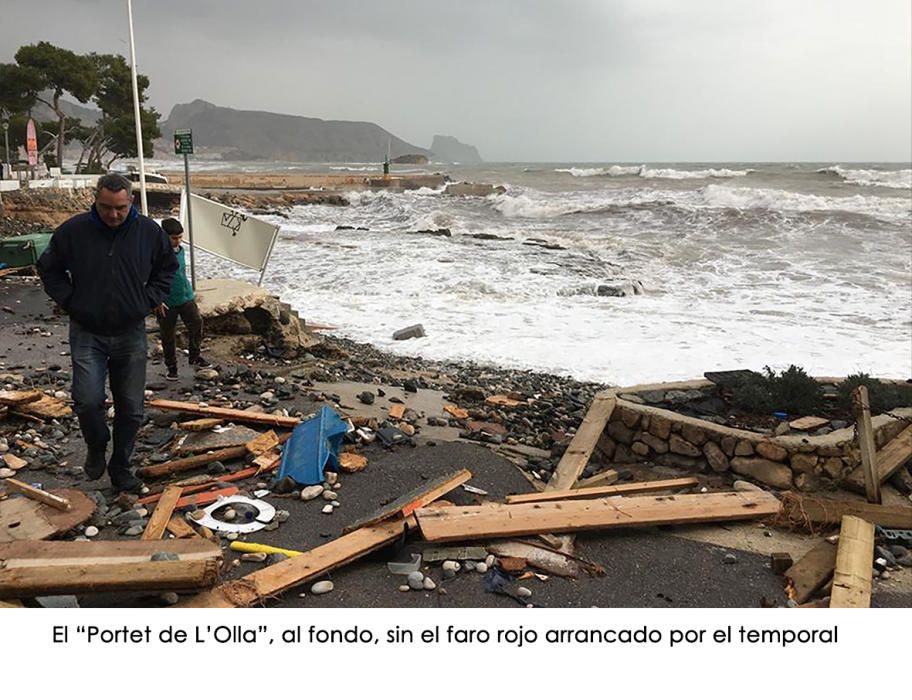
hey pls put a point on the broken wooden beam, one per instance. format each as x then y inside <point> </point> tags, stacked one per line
<point>187,463</point>
<point>814,569</point>
<point>272,580</point>
<point>419,497</point>
<point>17,398</point>
<point>602,491</point>
<point>56,568</point>
<point>605,478</point>
<point>805,509</point>
<point>199,424</point>
<point>861,406</point>
<point>889,460</point>
<point>58,502</point>
<point>210,482</point>
<point>158,522</point>
<point>854,568</point>
<point>180,528</point>
<point>231,414</point>
<point>576,457</point>
<point>497,520</point>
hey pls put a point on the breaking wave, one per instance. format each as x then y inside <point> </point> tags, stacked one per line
<point>653,173</point>
<point>896,179</point>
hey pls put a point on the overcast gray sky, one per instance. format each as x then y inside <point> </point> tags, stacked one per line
<point>531,80</point>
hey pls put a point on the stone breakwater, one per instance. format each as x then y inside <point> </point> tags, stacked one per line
<point>639,431</point>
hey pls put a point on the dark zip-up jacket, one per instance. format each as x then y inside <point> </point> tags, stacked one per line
<point>108,279</point>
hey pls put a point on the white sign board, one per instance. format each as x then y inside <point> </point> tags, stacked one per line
<point>229,233</point>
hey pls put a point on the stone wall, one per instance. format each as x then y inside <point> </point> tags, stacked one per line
<point>639,432</point>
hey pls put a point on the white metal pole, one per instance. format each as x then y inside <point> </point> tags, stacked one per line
<point>139,143</point>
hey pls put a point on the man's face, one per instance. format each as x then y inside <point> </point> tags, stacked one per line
<point>113,207</point>
<point>176,240</point>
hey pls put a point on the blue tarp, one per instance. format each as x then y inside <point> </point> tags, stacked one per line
<point>313,448</point>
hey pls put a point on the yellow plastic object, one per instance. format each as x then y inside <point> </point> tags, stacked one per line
<point>256,547</point>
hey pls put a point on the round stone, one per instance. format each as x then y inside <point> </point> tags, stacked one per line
<point>322,587</point>
<point>328,508</point>
<point>170,598</point>
<point>489,561</point>
<point>523,592</point>
<point>91,531</point>
<point>481,567</point>
<point>308,493</point>
<point>416,580</point>
<point>229,515</point>
<point>254,556</point>
<point>404,588</point>
<point>429,584</point>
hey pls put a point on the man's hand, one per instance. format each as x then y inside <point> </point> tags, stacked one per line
<point>161,310</point>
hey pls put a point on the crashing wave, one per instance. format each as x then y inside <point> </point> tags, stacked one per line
<point>673,174</point>
<point>626,288</point>
<point>896,179</point>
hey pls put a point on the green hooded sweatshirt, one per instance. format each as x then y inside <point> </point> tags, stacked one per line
<point>181,291</point>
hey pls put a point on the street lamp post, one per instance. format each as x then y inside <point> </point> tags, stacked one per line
<point>6,138</point>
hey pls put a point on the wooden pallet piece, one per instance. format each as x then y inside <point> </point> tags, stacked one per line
<point>270,581</point>
<point>185,464</point>
<point>158,522</point>
<point>497,520</point>
<point>814,569</point>
<point>854,568</point>
<point>39,495</point>
<point>230,414</point>
<point>180,528</point>
<point>24,519</point>
<point>583,443</point>
<point>628,489</point>
<point>889,460</point>
<point>418,497</point>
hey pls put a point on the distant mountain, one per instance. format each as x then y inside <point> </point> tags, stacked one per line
<point>88,115</point>
<point>251,135</point>
<point>449,148</point>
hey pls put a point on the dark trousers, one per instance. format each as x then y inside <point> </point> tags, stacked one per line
<point>123,359</point>
<point>190,314</point>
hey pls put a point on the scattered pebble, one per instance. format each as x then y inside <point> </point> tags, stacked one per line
<point>328,508</point>
<point>730,559</point>
<point>91,531</point>
<point>170,598</point>
<point>330,495</point>
<point>321,587</point>
<point>404,588</point>
<point>258,557</point>
<point>229,515</point>
<point>489,561</point>
<point>308,493</point>
<point>416,580</point>
<point>481,567</point>
<point>523,592</point>
<point>429,584</point>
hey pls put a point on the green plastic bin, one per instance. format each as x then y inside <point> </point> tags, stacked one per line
<point>22,251</point>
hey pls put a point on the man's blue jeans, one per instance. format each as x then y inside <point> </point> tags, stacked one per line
<point>123,357</point>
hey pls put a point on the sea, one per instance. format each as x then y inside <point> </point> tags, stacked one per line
<point>723,266</point>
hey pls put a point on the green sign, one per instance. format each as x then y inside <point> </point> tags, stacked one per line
<point>183,142</point>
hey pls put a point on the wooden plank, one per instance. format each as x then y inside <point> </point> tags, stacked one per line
<point>67,553</point>
<point>799,508</point>
<point>605,478</point>
<point>810,572</point>
<point>13,462</point>
<point>39,495</point>
<point>17,398</point>
<point>278,578</point>
<point>207,482</point>
<point>47,408</point>
<point>204,499</point>
<point>180,528</point>
<point>263,443</point>
<point>135,576</point>
<point>419,497</point>
<point>854,568</point>
<point>158,522</point>
<point>498,520</point>
<point>230,414</point>
<point>24,519</point>
<point>580,449</point>
<point>602,491</point>
<point>187,463</point>
<point>199,424</point>
<point>861,406</point>
<point>808,423</point>
<point>889,460</point>
<point>396,411</point>
<point>456,412</point>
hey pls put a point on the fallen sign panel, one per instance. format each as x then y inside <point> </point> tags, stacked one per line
<point>496,520</point>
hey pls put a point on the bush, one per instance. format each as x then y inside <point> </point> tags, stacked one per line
<point>792,391</point>
<point>883,397</point>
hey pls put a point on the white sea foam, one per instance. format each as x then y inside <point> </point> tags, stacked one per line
<point>895,179</point>
<point>673,174</point>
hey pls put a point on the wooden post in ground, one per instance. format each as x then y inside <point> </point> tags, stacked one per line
<point>861,406</point>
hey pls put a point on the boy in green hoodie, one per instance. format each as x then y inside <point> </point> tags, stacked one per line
<point>181,302</point>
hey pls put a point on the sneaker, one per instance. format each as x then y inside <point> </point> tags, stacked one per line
<point>172,374</point>
<point>200,362</point>
<point>95,464</point>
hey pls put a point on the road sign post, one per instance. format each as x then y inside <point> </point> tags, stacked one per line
<point>183,145</point>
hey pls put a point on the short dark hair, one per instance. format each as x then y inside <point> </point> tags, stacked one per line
<point>114,182</point>
<point>172,227</point>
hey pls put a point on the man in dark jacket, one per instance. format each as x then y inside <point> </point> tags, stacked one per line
<point>108,269</point>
